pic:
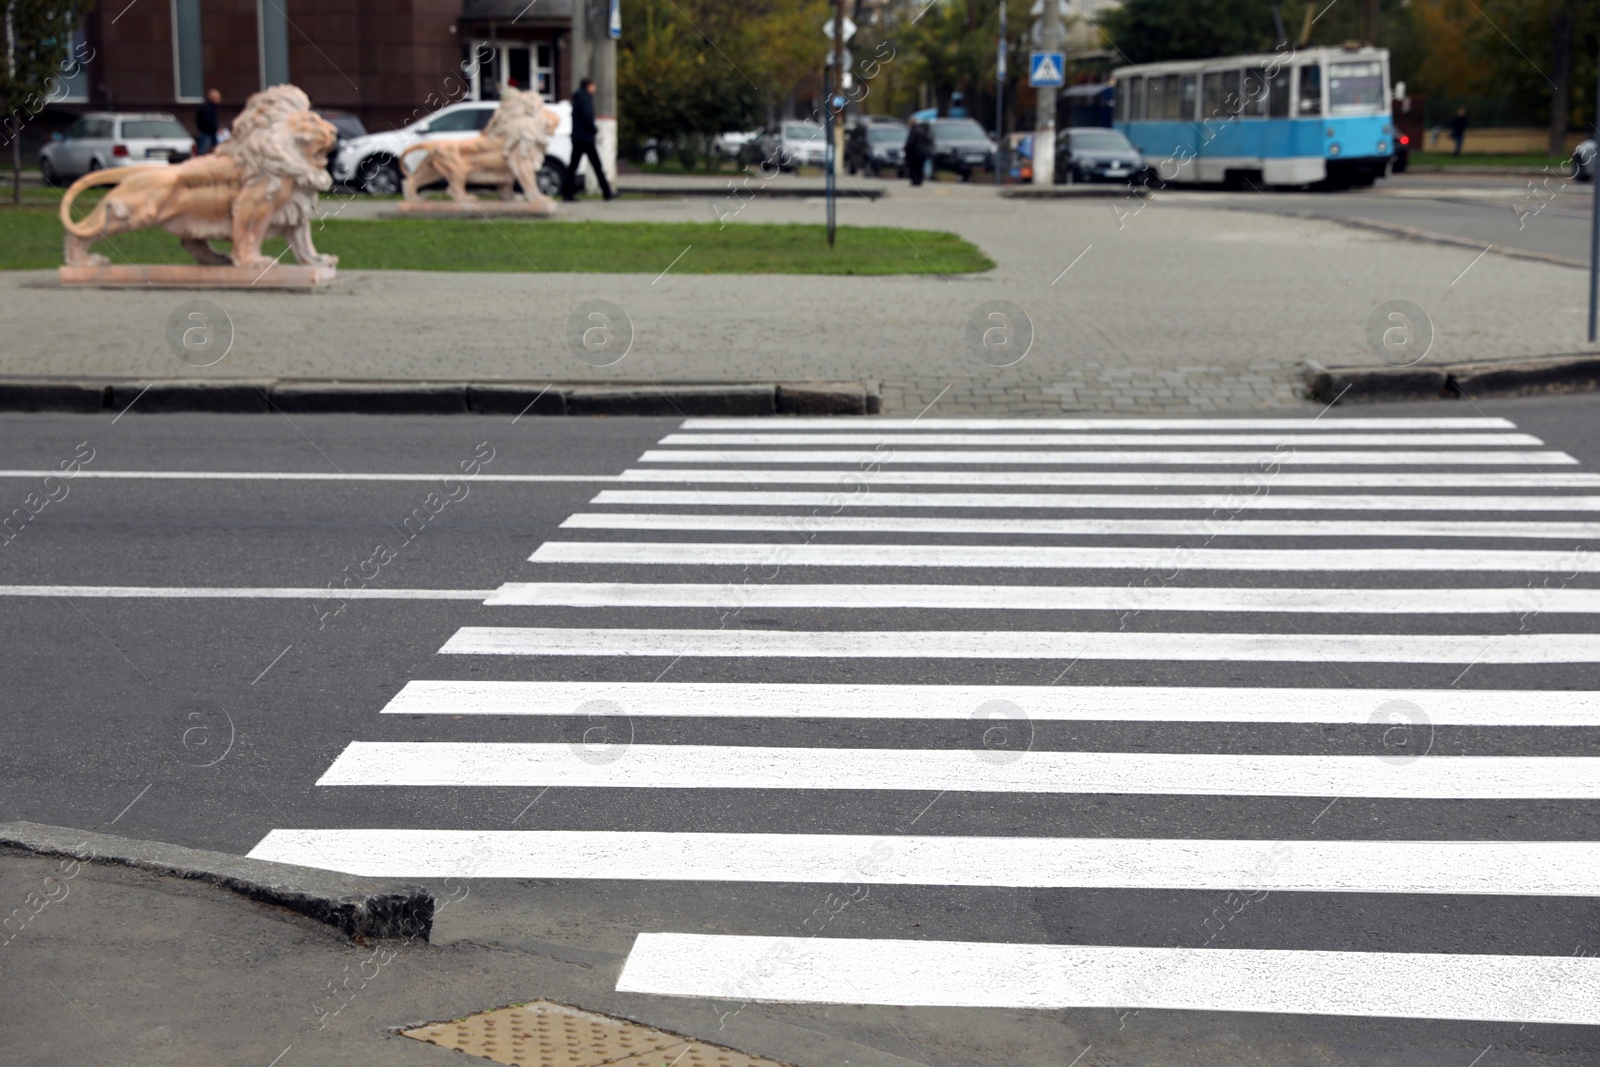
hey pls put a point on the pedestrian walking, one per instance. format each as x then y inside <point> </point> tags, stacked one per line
<point>916,150</point>
<point>584,133</point>
<point>1458,128</point>
<point>206,121</point>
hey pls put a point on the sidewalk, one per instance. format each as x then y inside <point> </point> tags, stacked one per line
<point>1137,306</point>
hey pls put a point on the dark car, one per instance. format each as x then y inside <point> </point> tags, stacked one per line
<point>347,127</point>
<point>875,147</point>
<point>1402,152</point>
<point>961,145</point>
<point>1096,154</point>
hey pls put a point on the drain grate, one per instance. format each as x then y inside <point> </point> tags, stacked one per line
<point>546,1034</point>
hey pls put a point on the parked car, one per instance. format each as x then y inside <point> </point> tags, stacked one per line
<point>793,143</point>
<point>876,146</point>
<point>1096,154</point>
<point>962,146</point>
<point>1583,162</point>
<point>101,139</point>
<point>1402,152</point>
<point>736,144</point>
<point>371,162</point>
<point>348,127</point>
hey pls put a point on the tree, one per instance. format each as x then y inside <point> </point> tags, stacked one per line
<point>38,51</point>
<point>1150,31</point>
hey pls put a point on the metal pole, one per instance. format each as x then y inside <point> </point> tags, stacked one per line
<point>1044,123</point>
<point>1594,229</point>
<point>1000,99</point>
<point>835,113</point>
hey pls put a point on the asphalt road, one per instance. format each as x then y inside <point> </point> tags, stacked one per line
<point>209,720</point>
<point>1547,215</point>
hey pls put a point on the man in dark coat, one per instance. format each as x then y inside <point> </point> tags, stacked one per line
<point>207,123</point>
<point>916,149</point>
<point>583,138</point>
<point>1458,128</point>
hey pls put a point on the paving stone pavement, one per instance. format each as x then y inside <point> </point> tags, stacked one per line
<point>1157,306</point>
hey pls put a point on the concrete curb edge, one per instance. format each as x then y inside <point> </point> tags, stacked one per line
<point>357,907</point>
<point>314,396</point>
<point>1568,373</point>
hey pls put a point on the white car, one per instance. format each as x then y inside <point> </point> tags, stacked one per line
<point>102,139</point>
<point>793,143</point>
<point>372,162</point>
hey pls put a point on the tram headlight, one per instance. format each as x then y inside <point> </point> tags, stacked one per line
<point>1383,146</point>
<point>1333,149</point>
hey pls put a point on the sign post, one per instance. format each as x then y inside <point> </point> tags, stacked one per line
<point>1000,99</point>
<point>1047,72</point>
<point>841,29</point>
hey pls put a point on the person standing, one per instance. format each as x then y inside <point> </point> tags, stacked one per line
<point>206,121</point>
<point>1458,128</point>
<point>584,133</point>
<point>916,151</point>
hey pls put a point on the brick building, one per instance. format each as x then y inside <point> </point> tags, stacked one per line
<point>386,62</point>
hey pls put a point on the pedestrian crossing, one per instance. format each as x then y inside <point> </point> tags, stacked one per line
<point>801,620</point>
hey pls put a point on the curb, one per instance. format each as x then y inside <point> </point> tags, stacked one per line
<point>357,907</point>
<point>764,187</point>
<point>1434,237</point>
<point>1577,372</point>
<point>258,396</point>
<point>1076,191</point>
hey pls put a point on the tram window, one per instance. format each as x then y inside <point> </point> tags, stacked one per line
<point>1154,98</point>
<point>1355,87</point>
<point>1232,102</point>
<point>1212,105</point>
<point>1255,92</point>
<point>1311,90</point>
<point>1278,95</point>
<point>1135,99</point>
<point>1187,101</point>
<point>1172,107</point>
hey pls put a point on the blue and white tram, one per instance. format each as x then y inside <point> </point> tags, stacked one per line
<point>1316,115</point>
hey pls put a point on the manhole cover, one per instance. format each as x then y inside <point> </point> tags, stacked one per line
<point>546,1034</point>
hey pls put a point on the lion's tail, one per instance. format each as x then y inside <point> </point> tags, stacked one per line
<point>88,181</point>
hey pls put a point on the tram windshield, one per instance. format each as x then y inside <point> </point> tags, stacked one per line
<point>1355,87</point>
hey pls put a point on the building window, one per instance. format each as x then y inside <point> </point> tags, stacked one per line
<point>273,33</point>
<point>527,64</point>
<point>187,70</point>
<point>71,84</point>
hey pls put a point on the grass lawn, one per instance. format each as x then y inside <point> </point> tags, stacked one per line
<point>1529,159</point>
<point>30,239</point>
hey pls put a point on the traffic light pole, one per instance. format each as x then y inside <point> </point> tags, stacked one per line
<point>835,112</point>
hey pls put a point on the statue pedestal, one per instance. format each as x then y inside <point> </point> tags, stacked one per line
<point>482,209</point>
<point>197,276</point>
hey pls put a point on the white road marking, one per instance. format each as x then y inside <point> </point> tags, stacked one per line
<point>840,970</point>
<point>311,592</point>
<point>303,476</point>
<point>861,481</point>
<point>1024,644</point>
<point>1262,499</point>
<point>1159,560</point>
<point>1510,868</point>
<point>1264,460</point>
<point>803,524</point>
<point>531,765</point>
<point>1043,703</point>
<point>723,597</point>
<point>1106,440</point>
<point>1311,425</point>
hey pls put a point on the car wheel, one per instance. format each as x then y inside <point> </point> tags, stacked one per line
<point>97,164</point>
<point>48,172</point>
<point>966,175</point>
<point>1069,175</point>
<point>380,176</point>
<point>551,177</point>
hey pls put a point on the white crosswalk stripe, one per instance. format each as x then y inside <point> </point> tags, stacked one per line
<point>1400,597</point>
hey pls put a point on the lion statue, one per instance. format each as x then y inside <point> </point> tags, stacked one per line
<point>262,182</point>
<point>510,150</point>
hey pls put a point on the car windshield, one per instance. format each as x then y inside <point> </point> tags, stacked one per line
<point>959,130</point>
<point>1355,87</point>
<point>800,132</point>
<point>152,129</point>
<point>1100,141</point>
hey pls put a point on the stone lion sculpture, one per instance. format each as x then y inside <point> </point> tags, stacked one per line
<point>510,150</point>
<point>262,182</point>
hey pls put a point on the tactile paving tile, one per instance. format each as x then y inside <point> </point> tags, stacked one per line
<point>546,1034</point>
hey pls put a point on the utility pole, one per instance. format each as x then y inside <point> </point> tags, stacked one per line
<point>1594,232</point>
<point>1044,123</point>
<point>835,112</point>
<point>1369,24</point>
<point>1000,99</point>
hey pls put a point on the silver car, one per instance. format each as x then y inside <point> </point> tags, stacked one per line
<point>792,144</point>
<point>102,139</point>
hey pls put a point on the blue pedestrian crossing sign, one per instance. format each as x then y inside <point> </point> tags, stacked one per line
<point>1047,70</point>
